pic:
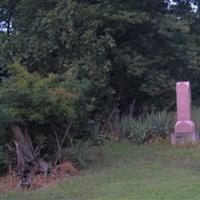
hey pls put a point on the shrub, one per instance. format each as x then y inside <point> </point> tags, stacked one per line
<point>135,129</point>
<point>125,125</point>
<point>39,99</point>
<point>140,130</point>
<point>161,123</point>
<point>41,102</point>
<point>3,161</point>
<point>3,139</point>
<point>78,154</point>
<point>196,117</point>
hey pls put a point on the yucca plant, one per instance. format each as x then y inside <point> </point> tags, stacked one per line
<point>161,122</point>
<point>196,117</point>
<point>125,125</point>
<point>140,129</point>
<point>135,129</point>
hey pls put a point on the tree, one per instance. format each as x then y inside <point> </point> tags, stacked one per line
<point>81,59</point>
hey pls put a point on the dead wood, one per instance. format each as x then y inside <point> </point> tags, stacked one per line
<point>27,158</point>
<point>60,143</point>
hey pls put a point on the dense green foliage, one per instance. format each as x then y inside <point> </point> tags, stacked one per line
<point>129,50</point>
<point>3,160</point>
<point>29,96</point>
<point>71,60</point>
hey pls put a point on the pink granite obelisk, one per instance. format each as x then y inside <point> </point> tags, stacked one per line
<point>185,130</point>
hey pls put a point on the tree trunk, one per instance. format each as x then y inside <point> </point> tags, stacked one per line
<point>28,163</point>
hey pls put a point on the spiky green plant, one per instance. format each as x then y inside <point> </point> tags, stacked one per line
<point>135,129</point>
<point>140,129</point>
<point>196,117</point>
<point>125,125</point>
<point>161,122</point>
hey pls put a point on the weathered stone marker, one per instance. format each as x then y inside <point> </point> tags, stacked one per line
<point>185,130</point>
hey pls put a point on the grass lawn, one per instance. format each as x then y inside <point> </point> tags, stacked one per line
<point>129,172</point>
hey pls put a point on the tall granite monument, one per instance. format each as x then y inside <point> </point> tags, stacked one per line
<point>185,130</point>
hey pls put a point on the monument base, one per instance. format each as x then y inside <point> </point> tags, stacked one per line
<point>184,138</point>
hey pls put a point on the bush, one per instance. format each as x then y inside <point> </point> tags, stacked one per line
<point>161,123</point>
<point>41,102</point>
<point>135,129</point>
<point>3,139</point>
<point>3,161</point>
<point>78,154</point>
<point>141,128</point>
<point>125,125</point>
<point>196,117</point>
<point>95,133</point>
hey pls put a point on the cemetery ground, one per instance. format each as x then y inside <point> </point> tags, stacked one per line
<point>127,172</point>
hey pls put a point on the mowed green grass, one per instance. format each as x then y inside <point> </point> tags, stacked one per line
<point>129,172</point>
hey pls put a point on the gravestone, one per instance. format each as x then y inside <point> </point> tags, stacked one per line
<point>185,130</point>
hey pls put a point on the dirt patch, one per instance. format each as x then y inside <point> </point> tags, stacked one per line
<point>11,182</point>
